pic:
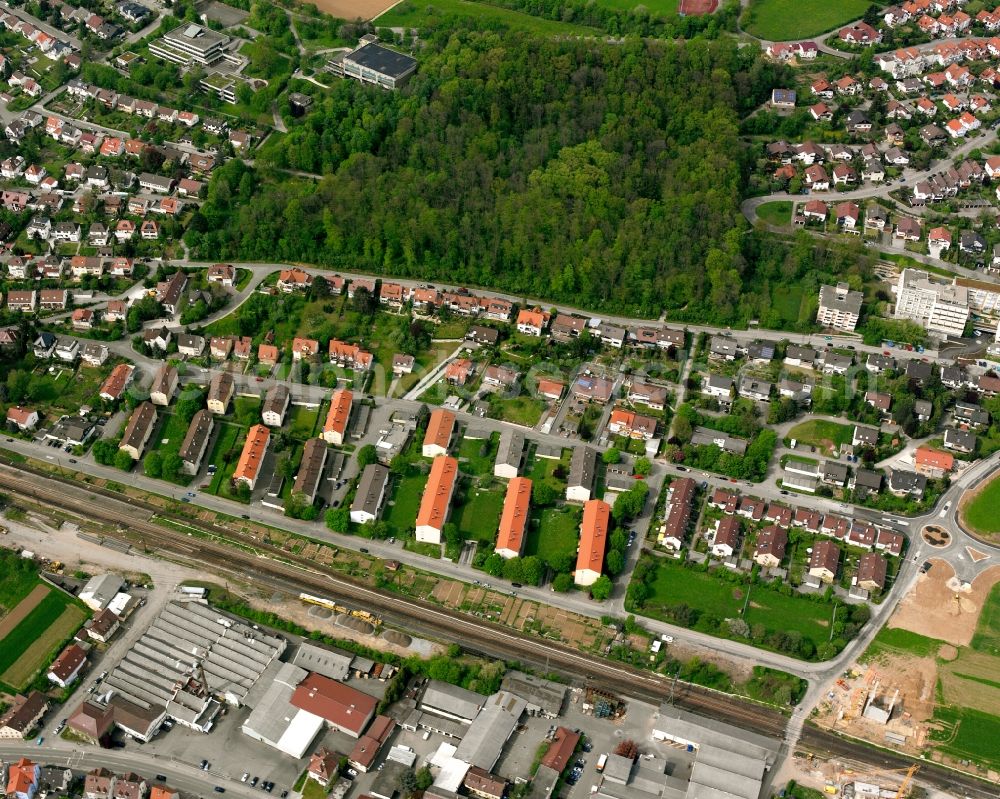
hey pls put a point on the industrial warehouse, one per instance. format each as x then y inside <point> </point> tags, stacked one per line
<point>190,660</point>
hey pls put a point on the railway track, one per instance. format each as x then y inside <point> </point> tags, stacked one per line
<point>291,574</point>
<point>296,573</point>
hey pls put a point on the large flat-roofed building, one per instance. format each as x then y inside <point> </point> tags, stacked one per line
<point>940,307</point>
<point>593,541</point>
<point>451,701</point>
<point>543,697</point>
<point>370,494</point>
<point>329,662</point>
<point>436,500</point>
<point>276,722</point>
<point>728,761</point>
<point>100,590</point>
<point>494,724</point>
<point>839,307</point>
<point>342,707</point>
<point>190,660</point>
<point>375,64</point>
<point>190,44</point>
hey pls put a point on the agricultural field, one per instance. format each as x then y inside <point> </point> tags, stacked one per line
<point>824,435</point>
<point>784,20</point>
<point>428,13</point>
<point>980,512</point>
<point>36,622</point>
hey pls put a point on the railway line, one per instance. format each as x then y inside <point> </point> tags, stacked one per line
<point>265,565</point>
<point>292,574</point>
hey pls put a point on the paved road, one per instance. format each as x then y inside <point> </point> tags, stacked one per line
<point>180,776</point>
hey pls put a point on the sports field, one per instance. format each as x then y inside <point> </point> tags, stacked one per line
<point>980,513</point>
<point>784,20</point>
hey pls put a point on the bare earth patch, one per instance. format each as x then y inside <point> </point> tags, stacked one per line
<point>940,607</point>
<point>22,609</point>
<point>354,9</point>
<point>947,652</point>
<point>976,555</point>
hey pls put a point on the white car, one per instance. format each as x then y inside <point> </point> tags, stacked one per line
<point>245,777</point>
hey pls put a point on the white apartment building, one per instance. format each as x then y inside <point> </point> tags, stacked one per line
<point>839,307</point>
<point>939,307</point>
<point>984,298</point>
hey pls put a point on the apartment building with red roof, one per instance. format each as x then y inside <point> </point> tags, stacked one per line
<point>254,450</point>
<point>593,541</point>
<point>514,518</point>
<point>436,500</point>
<point>337,418</point>
<point>440,428</point>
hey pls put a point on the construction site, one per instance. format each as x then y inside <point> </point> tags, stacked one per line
<point>888,702</point>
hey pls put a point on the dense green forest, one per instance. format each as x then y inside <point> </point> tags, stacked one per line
<point>599,174</point>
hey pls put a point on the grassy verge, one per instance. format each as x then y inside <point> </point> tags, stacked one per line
<point>776,213</point>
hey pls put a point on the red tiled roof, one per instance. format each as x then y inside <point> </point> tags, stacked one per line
<point>341,705</point>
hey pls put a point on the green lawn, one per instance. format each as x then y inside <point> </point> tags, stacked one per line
<point>783,20</point>
<point>17,577</point>
<point>169,440</point>
<point>900,640</point>
<point>247,410</point>
<point>776,213</point>
<point>302,421</point>
<point>479,517</point>
<point>543,470</point>
<point>427,13</point>
<point>553,533</point>
<point>676,584</point>
<point>518,410</point>
<point>477,455</point>
<point>225,443</point>
<point>402,513</point>
<point>822,434</point>
<point>980,514</point>
<point>30,627</point>
<point>663,8</point>
<point>787,302</point>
